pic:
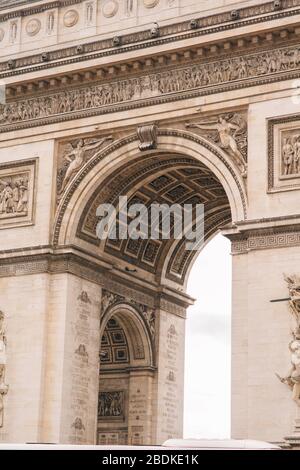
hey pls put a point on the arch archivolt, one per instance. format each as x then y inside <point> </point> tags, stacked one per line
<point>135,321</point>
<point>183,159</point>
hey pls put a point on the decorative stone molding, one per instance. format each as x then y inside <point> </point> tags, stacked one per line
<point>3,360</point>
<point>206,27</point>
<point>123,142</point>
<point>147,135</point>
<point>17,193</point>
<point>150,3</point>
<point>169,85</point>
<point>265,239</point>
<point>284,153</point>
<point>33,27</point>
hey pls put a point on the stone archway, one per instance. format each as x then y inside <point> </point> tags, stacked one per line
<point>149,277</point>
<point>126,375</point>
<point>203,174</point>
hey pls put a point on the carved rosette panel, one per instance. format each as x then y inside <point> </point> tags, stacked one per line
<point>110,299</point>
<point>17,188</point>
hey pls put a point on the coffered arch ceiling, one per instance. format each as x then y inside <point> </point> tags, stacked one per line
<point>158,179</point>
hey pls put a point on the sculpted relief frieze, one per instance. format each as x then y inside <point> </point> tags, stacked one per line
<point>17,185</point>
<point>293,377</point>
<point>171,82</point>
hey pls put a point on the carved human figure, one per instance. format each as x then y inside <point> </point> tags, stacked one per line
<point>293,379</point>
<point>294,291</point>
<point>3,386</point>
<point>227,132</point>
<point>297,154</point>
<point>3,342</point>
<point>77,157</point>
<point>287,157</point>
<point>23,196</point>
<point>6,195</point>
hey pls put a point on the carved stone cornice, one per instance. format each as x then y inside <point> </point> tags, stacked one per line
<point>203,78</point>
<point>257,14</point>
<point>27,262</point>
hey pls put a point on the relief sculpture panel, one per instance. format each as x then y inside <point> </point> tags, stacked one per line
<point>204,74</point>
<point>284,153</point>
<point>17,186</point>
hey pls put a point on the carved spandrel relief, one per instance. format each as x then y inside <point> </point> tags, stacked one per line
<point>16,193</point>
<point>73,155</point>
<point>293,377</point>
<point>200,75</point>
<point>110,299</point>
<point>111,405</point>
<point>3,361</point>
<point>229,132</point>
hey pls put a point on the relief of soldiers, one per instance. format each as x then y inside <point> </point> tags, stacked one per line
<point>13,195</point>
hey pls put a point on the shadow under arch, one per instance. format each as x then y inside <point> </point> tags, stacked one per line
<point>127,376</point>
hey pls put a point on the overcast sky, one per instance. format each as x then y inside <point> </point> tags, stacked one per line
<point>207,378</point>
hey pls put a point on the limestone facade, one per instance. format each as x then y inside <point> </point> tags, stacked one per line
<point>160,101</point>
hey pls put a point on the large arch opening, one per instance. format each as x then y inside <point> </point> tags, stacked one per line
<point>207,410</point>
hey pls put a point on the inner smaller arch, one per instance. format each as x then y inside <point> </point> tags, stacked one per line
<point>125,376</point>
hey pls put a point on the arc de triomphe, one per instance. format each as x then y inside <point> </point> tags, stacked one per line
<point>169,101</point>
